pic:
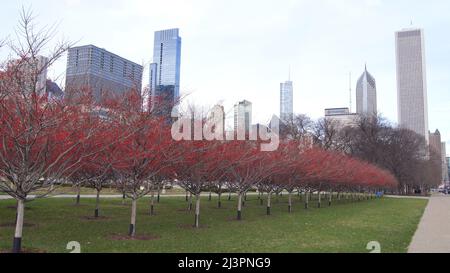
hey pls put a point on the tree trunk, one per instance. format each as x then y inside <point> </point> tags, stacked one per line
<point>319,203</point>
<point>239,211</point>
<point>219,201</point>
<point>97,204</point>
<point>132,230</point>
<point>78,195</point>
<point>17,243</point>
<point>187,196</point>
<point>229,195</point>
<point>261,199</point>
<point>269,199</point>
<point>152,204</point>
<point>210,196</point>
<point>290,202</point>
<point>306,199</point>
<point>123,198</point>
<point>159,195</point>
<point>197,211</point>
<point>330,199</point>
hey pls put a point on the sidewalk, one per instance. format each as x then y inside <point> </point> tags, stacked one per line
<point>433,234</point>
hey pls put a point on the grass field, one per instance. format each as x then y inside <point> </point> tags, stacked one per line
<point>344,227</point>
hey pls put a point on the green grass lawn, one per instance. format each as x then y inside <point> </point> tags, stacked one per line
<point>344,227</point>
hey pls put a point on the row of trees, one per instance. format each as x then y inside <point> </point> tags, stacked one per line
<point>45,143</point>
<point>374,139</point>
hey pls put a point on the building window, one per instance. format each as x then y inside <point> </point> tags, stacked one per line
<point>125,69</point>
<point>111,65</point>
<point>102,61</point>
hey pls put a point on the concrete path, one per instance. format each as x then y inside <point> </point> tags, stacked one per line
<point>433,234</point>
<point>407,197</point>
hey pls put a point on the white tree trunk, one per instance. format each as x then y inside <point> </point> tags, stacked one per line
<point>197,211</point>
<point>269,203</point>
<point>132,231</point>
<point>17,244</point>
<point>239,212</point>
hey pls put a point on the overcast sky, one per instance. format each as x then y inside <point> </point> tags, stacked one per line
<point>242,49</point>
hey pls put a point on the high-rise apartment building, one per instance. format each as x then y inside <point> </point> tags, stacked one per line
<point>286,101</point>
<point>101,71</point>
<point>165,69</point>
<point>412,81</point>
<point>366,95</point>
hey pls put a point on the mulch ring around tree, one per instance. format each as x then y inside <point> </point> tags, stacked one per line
<point>120,237</point>
<point>92,218</point>
<point>234,219</point>
<point>187,226</point>
<point>13,225</point>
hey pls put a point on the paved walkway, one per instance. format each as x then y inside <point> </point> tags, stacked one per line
<point>433,234</point>
<point>407,197</point>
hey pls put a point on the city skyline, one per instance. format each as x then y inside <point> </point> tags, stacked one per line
<point>225,61</point>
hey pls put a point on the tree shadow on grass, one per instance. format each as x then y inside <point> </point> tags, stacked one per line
<point>120,237</point>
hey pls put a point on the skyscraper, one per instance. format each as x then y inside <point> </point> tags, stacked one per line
<point>435,142</point>
<point>366,95</point>
<point>100,71</point>
<point>165,69</point>
<point>242,118</point>
<point>286,100</point>
<point>412,81</point>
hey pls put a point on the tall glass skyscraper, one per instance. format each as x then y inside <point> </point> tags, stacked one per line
<point>412,81</point>
<point>165,69</point>
<point>366,95</point>
<point>286,100</point>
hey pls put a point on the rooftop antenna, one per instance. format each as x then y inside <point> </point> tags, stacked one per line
<point>350,90</point>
